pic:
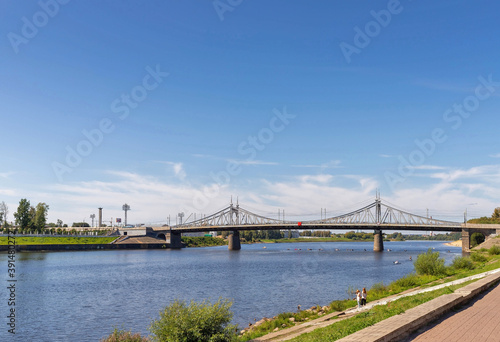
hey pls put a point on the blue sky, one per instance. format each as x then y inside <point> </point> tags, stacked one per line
<point>176,106</point>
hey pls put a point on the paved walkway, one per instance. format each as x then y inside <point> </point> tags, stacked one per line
<point>476,322</point>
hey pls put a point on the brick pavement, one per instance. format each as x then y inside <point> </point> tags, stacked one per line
<point>476,322</point>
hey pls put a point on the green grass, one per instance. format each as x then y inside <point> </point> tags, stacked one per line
<point>203,241</point>
<point>57,240</point>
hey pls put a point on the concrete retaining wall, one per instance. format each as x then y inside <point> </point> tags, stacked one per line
<point>84,247</point>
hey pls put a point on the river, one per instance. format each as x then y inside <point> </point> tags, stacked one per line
<point>82,296</point>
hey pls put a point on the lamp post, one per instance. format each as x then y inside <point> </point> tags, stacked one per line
<point>125,208</point>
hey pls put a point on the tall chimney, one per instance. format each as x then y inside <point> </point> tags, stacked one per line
<point>100,217</point>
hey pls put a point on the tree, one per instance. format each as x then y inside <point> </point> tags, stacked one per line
<point>4,209</point>
<point>22,215</point>
<point>496,213</point>
<point>349,235</point>
<point>32,215</point>
<point>80,224</point>
<point>196,322</point>
<point>41,216</point>
<point>476,239</point>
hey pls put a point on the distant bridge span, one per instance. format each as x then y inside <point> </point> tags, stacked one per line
<point>377,216</point>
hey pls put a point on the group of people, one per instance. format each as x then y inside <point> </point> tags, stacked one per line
<point>361,297</point>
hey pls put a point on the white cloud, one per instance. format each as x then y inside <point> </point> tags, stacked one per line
<point>177,168</point>
<point>6,175</point>
<point>251,162</point>
<point>331,164</point>
<point>497,155</point>
<point>429,167</point>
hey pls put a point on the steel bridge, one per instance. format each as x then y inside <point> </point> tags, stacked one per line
<point>377,216</point>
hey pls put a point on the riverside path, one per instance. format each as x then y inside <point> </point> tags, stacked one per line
<point>479,321</point>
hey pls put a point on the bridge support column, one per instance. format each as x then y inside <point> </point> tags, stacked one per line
<point>378,241</point>
<point>465,240</point>
<point>175,240</point>
<point>234,243</point>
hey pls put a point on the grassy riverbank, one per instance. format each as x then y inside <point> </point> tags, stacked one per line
<point>479,262</point>
<point>203,241</point>
<point>57,240</point>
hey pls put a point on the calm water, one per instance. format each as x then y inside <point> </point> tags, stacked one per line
<point>81,296</point>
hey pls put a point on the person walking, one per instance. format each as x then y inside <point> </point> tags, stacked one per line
<point>358,298</point>
<point>363,296</point>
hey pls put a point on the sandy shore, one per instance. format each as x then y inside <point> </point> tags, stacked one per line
<point>454,243</point>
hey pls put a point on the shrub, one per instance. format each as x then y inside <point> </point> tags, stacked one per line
<point>462,263</point>
<point>476,257</point>
<point>476,239</point>
<point>124,336</point>
<point>340,305</point>
<point>430,263</point>
<point>494,250</point>
<point>406,282</point>
<point>196,322</point>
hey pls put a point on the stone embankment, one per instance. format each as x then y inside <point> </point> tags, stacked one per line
<point>143,242</point>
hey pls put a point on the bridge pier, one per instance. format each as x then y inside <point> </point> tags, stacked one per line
<point>465,240</point>
<point>234,243</point>
<point>175,240</point>
<point>378,241</point>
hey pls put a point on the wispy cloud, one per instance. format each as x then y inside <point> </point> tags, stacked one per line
<point>445,86</point>
<point>429,167</point>
<point>251,162</point>
<point>177,168</point>
<point>7,174</point>
<point>330,164</point>
<point>209,156</point>
<point>497,155</point>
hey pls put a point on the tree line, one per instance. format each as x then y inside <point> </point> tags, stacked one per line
<point>31,218</point>
<point>493,219</point>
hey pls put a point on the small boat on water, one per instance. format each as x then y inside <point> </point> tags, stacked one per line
<point>396,262</point>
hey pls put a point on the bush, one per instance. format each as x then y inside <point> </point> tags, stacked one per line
<point>476,257</point>
<point>339,305</point>
<point>476,239</point>
<point>124,336</point>
<point>409,281</point>
<point>463,263</point>
<point>196,322</point>
<point>494,250</point>
<point>429,263</point>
